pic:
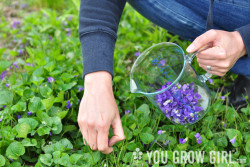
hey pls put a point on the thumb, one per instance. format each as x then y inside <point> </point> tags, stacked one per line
<point>202,40</point>
<point>117,131</point>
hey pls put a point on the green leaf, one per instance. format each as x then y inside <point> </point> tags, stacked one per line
<point>46,159</point>
<point>15,150</point>
<point>2,160</point>
<point>37,80</point>
<point>68,86</point>
<point>146,138</point>
<point>6,97</point>
<point>67,77</point>
<point>26,142</point>
<point>60,97</point>
<point>64,160</point>
<point>20,106</point>
<point>56,125</point>
<point>4,64</point>
<point>32,122</point>
<point>74,158</point>
<point>67,145</point>
<point>231,133</point>
<point>27,94</point>
<point>45,91</point>
<point>36,104</point>
<point>128,157</point>
<point>48,103</point>
<point>15,164</point>
<point>222,142</point>
<point>96,156</point>
<point>68,128</point>
<point>248,146</point>
<point>56,156</point>
<point>231,115</point>
<point>43,131</point>
<point>44,118</point>
<point>143,109</point>
<point>50,66</point>
<point>23,130</point>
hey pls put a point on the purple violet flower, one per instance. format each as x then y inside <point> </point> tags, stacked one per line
<point>167,142</point>
<point>51,79</point>
<point>162,62</point>
<point>137,54</point>
<point>197,135</point>
<point>29,113</point>
<point>15,65</point>
<point>3,75</point>
<point>7,85</point>
<point>180,103</point>
<point>22,6</point>
<point>70,18</point>
<point>223,97</point>
<point>1,119</point>
<point>68,104</point>
<point>182,141</point>
<point>80,89</point>
<point>50,38</point>
<point>19,116</point>
<point>4,106</point>
<point>127,112</point>
<point>159,132</point>
<point>50,133</point>
<point>68,31</point>
<point>0,136</point>
<point>79,100</point>
<point>20,51</point>
<point>211,81</point>
<point>28,64</point>
<point>199,140</point>
<point>233,140</point>
<point>15,24</point>
<point>11,159</point>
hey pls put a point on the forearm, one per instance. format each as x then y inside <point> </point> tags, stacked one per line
<point>245,34</point>
<point>98,24</point>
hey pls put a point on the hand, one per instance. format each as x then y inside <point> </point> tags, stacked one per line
<point>226,48</point>
<point>98,111</point>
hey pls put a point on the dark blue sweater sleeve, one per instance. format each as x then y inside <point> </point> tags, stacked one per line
<point>98,24</point>
<point>245,34</point>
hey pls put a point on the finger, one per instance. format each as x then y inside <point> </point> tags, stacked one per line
<point>212,53</point>
<point>117,131</point>
<point>213,63</point>
<point>84,133</point>
<point>102,139</point>
<point>202,40</point>
<point>216,69</point>
<point>92,133</point>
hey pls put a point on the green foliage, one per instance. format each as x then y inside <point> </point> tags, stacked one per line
<point>50,136</point>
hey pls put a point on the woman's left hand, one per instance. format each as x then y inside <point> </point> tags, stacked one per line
<point>226,48</point>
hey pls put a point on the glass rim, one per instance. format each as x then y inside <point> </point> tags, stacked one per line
<point>174,82</point>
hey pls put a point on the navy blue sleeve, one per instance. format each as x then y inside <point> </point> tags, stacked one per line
<point>98,24</point>
<point>245,34</point>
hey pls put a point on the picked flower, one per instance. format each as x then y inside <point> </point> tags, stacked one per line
<point>68,104</point>
<point>51,79</point>
<point>127,112</point>
<point>180,103</point>
<point>182,141</point>
<point>233,139</point>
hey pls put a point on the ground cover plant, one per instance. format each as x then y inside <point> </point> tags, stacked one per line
<point>41,87</point>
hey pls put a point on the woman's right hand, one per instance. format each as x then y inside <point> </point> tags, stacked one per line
<point>98,111</point>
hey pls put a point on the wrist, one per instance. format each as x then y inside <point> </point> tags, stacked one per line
<point>96,81</point>
<point>241,45</point>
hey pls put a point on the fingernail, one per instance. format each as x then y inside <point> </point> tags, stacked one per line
<point>190,48</point>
